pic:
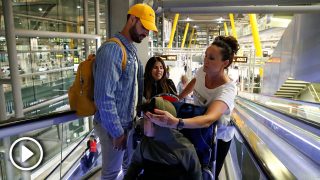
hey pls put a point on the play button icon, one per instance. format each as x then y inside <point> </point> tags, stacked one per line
<point>26,153</point>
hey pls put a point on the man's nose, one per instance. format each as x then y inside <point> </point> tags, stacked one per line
<point>146,32</point>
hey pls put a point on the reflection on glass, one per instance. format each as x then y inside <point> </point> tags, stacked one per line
<point>54,140</point>
<point>309,111</point>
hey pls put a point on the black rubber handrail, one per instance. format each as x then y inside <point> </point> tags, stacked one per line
<point>31,119</point>
<point>19,126</point>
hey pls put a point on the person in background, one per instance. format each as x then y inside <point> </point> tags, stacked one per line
<point>211,88</point>
<point>182,85</point>
<point>168,71</point>
<point>92,147</point>
<point>155,79</point>
<point>117,91</point>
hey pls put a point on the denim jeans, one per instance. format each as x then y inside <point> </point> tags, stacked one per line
<point>113,160</point>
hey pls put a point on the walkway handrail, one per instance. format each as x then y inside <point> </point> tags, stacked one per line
<point>18,126</point>
<point>46,72</point>
<point>298,108</point>
<point>272,135</point>
<point>254,97</point>
<point>45,103</point>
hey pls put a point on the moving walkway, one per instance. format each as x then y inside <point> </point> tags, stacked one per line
<point>275,139</point>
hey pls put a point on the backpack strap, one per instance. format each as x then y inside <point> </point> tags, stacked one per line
<point>123,49</point>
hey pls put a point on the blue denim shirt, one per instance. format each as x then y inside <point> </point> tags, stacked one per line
<point>114,89</point>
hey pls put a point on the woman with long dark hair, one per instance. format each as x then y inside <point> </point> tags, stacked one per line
<point>162,153</point>
<point>155,79</point>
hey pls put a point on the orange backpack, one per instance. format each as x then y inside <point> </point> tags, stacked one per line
<point>81,93</point>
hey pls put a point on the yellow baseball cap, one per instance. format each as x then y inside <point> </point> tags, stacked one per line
<point>146,15</point>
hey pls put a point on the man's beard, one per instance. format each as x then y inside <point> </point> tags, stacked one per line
<point>135,36</point>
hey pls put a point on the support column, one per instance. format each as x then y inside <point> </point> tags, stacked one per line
<point>177,37</point>
<point>253,70</point>
<point>233,27</point>
<point>117,18</point>
<point>242,79</point>
<point>185,35</point>
<point>225,29</point>
<point>85,25</point>
<point>3,111</point>
<point>15,81</point>
<point>97,23</point>
<point>255,34</point>
<point>12,55</point>
<point>118,14</point>
<point>173,30</point>
<point>143,49</point>
<point>190,39</point>
<point>193,42</point>
<point>107,18</point>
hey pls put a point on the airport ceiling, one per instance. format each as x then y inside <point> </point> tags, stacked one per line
<point>203,13</point>
<point>209,13</point>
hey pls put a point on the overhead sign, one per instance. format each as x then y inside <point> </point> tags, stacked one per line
<point>169,57</point>
<point>240,59</point>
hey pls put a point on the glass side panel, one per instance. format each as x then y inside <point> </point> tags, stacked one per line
<point>56,141</point>
<point>47,68</point>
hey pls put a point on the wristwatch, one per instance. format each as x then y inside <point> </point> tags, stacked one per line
<point>180,124</point>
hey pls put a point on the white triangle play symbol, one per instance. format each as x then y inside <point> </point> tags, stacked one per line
<point>25,153</point>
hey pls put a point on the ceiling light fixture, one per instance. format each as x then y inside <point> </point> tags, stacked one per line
<point>40,9</point>
<point>220,20</point>
<point>78,7</point>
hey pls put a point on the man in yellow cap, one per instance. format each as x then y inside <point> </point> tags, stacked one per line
<point>118,90</point>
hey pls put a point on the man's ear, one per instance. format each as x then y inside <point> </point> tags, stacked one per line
<point>132,18</point>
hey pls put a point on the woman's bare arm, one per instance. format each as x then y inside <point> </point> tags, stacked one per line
<point>165,119</point>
